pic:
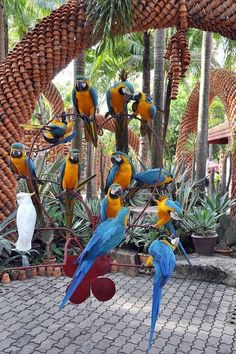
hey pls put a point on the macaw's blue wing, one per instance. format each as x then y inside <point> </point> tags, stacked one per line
<point>103,211</point>
<point>111,175</point>
<point>100,244</point>
<point>164,262</point>
<point>174,206</point>
<point>94,96</point>
<point>74,100</point>
<point>31,166</point>
<point>153,111</point>
<point>95,240</point>
<point>62,172</point>
<point>108,99</point>
<point>170,228</point>
<point>151,176</point>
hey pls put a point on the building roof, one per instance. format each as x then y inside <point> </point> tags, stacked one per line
<point>219,134</point>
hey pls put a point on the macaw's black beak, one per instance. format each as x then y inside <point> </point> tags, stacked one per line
<point>79,86</point>
<point>16,153</point>
<point>116,191</point>
<point>116,159</point>
<point>74,158</point>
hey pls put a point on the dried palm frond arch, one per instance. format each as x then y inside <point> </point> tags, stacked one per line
<point>223,85</point>
<point>58,38</point>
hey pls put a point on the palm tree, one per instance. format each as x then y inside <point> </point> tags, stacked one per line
<point>202,129</point>
<point>159,47</point>
<point>143,141</point>
<point>2,32</point>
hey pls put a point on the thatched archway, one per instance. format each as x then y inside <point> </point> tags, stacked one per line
<point>58,38</point>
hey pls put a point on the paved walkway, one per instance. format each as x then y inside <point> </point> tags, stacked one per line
<point>195,318</point>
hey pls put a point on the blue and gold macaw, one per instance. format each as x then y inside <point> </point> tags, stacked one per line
<point>164,262</point>
<point>55,133</point>
<point>117,98</point>
<point>24,166</point>
<point>154,176</point>
<point>146,110</point>
<point>69,177</point>
<point>112,203</point>
<point>85,100</point>
<point>165,207</point>
<point>157,177</point>
<point>108,235</point>
<point>121,172</point>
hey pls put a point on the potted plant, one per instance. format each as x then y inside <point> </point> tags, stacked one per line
<point>201,223</point>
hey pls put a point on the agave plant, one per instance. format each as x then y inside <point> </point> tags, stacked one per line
<point>183,189</point>
<point>218,203</point>
<point>201,221</point>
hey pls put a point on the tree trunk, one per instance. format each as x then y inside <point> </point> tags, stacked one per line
<point>89,189</point>
<point>6,37</point>
<point>2,33</point>
<point>202,129</point>
<point>43,118</point>
<point>223,187</point>
<point>159,48</point>
<point>79,69</point>
<point>143,142</point>
<point>94,181</point>
<point>167,108</point>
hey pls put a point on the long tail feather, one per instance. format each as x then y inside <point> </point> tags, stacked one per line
<point>184,253</point>
<point>35,199</point>
<point>69,209</point>
<point>94,133</point>
<point>156,302</point>
<point>79,275</point>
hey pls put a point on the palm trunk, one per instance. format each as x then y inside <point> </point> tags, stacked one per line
<point>2,33</point>
<point>159,48</point>
<point>202,129</point>
<point>79,69</point>
<point>6,36</point>
<point>42,108</point>
<point>89,189</point>
<point>94,181</point>
<point>143,142</point>
<point>167,108</point>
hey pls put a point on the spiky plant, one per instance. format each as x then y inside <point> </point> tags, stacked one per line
<point>218,204</point>
<point>200,221</point>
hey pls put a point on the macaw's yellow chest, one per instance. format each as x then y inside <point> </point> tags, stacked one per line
<point>21,166</point>
<point>117,101</point>
<point>113,207</point>
<point>123,177</point>
<point>163,217</point>
<point>85,103</point>
<point>71,176</point>
<point>143,109</point>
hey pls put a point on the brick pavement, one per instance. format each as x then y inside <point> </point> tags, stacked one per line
<point>195,318</point>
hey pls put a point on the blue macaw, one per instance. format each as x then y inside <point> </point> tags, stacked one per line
<point>164,263</point>
<point>121,172</point>
<point>154,176</point>
<point>165,207</point>
<point>85,100</point>
<point>158,177</point>
<point>69,177</point>
<point>108,235</point>
<point>112,203</point>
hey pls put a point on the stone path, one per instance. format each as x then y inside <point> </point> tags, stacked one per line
<point>195,318</point>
